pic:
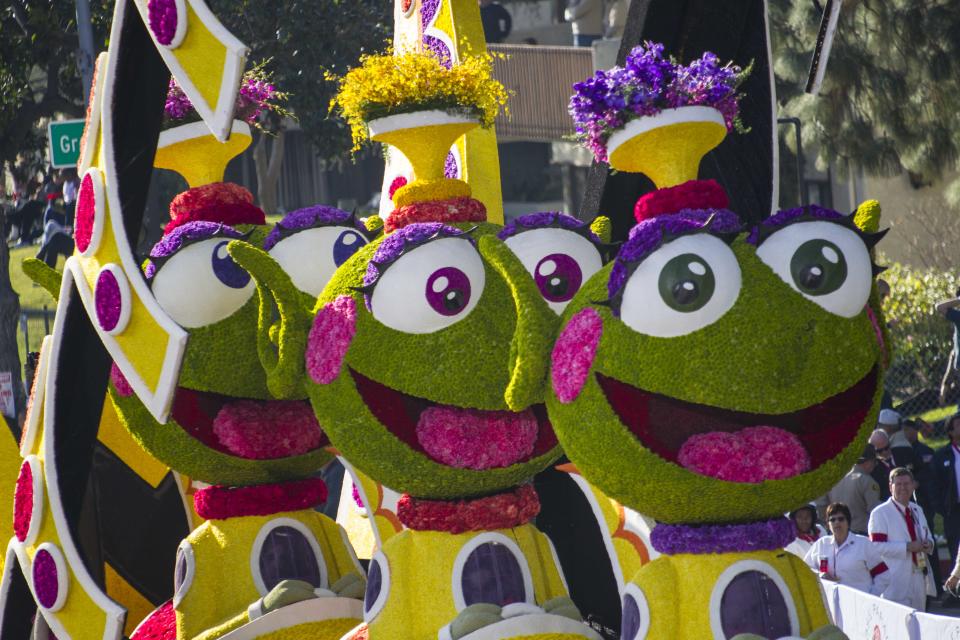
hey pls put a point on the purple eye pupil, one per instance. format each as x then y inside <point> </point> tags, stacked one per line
<point>227,271</point>
<point>347,244</point>
<point>448,291</point>
<point>558,276</point>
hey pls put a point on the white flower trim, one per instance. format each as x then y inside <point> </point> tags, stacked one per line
<point>126,298</point>
<point>262,537</point>
<point>667,117</point>
<point>191,562</point>
<point>635,592</point>
<point>734,570</point>
<point>487,538</point>
<point>377,605</point>
<point>63,577</point>
<point>416,119</point>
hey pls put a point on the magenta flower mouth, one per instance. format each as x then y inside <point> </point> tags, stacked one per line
<point>246,428</point>
<point>458,437</point>
<point>775,447</point>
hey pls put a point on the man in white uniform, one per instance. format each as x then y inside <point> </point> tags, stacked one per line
<point>900,531</point>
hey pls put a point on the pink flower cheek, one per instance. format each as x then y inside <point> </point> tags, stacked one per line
<point>329,340</point>
<point>573,354</point>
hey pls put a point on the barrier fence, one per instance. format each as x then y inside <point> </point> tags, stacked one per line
<point>863,616</point>
<point>34,325</point>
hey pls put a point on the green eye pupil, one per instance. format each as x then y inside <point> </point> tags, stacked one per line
<point>686,283</point>
<point>818,267</point>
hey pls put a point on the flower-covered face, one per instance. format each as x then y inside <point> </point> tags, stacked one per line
<point>559,252</point>
<point>721,377</point>
<point>311,244</point>
<point>424,371</point>
<point>225,427</point>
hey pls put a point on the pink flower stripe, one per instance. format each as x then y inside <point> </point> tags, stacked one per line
<point>330,337</point>
<point>573,354</point>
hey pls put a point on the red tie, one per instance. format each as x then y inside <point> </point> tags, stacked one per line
<point>911,529</point>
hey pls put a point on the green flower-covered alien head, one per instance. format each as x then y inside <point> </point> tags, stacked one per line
<point>426,363</point>
<point>708,375</point>
<point>227,424</point>
<point>558,251</point>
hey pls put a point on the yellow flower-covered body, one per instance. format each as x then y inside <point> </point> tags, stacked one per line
<point>719,590</point>
<point>428,578</point>
<point>226,567</point>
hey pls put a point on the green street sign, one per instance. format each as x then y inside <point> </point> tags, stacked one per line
<point>64,139</point>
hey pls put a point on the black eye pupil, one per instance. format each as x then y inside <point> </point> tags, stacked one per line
<point>687,283</point>
<point>811,276</point>
<point>818,267</point>
<point>453,301</point>
<point>685,292</point>
<point>558,286</point>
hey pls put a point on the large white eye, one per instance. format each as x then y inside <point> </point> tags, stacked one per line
<point>311,256</point>
<point>823,261</point>
<point>201,284</point>
<point>559,260</point>
<point>683,286</point>
<point>431,287</point>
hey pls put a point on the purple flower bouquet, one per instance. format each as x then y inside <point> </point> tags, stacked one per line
<point>649,85</point>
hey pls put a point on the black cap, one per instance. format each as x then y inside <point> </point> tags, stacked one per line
<point>869,453</point>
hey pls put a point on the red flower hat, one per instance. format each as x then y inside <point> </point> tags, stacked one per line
<point>694,194</point>
<point>222,202</point>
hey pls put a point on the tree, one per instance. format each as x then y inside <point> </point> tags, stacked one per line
<point>302,39</point>
<point>889,100</point>
<point>38,75</point>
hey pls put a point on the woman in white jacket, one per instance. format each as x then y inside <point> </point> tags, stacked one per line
<point>847,558</point>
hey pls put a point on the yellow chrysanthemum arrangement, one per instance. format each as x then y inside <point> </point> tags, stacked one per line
<point>387,84</point>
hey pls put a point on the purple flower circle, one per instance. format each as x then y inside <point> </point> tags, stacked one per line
<point>226,270</point>
<point>558,276</point>
<point>630,622</point>
<point>448,291</point>
<point>767,535</point>
<point>163,19</point>
<point>108,299</point>
<point>46,582</point>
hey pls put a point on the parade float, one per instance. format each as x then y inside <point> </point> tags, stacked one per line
<point>681,382</point>
<point>435,352</point>
<point>453,417</point>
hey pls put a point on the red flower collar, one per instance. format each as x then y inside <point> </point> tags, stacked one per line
<point>501,511</point>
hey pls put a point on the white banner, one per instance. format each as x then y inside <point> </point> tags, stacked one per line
<point>867,617</point>
<point>830,589</point>
<point>936,627</point>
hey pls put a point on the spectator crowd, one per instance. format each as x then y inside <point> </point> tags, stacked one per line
<point>880,515</point>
